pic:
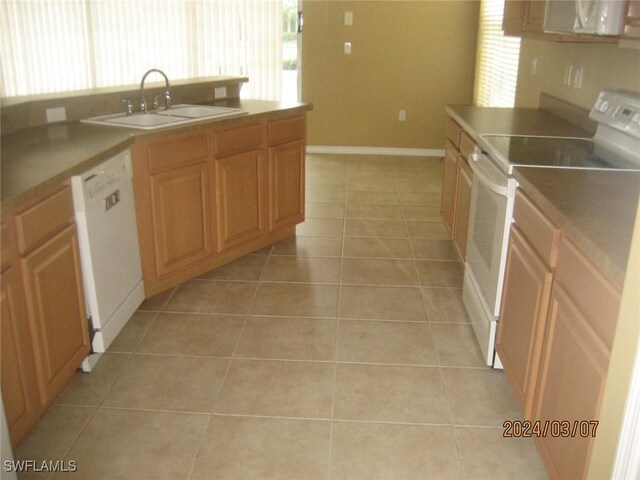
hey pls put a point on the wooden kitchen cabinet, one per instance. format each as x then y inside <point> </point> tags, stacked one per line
<point>206,198</point>
<point>631,33</point>
<point>241,206</point>
<point>286,138</point>
<point>17,364</point>
<point>449,187</point>
<point>531,257</point>
<point>56,310</point>
<point>45,334</point>
<point>181,216</point>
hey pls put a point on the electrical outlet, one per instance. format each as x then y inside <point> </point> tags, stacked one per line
<point>347,48</point>
<point>577,77</point>
<point>56,114</point>
<point>220,92</point>
<point>402,115</point>
<point>348,18</point>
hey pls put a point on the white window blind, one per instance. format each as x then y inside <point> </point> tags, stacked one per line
<point>63,45</point>
<point>496,60</point>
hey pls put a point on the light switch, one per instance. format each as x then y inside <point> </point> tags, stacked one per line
<point>347,48</point>
<point>348,18</point>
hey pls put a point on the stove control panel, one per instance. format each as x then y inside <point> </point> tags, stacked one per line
<point>618,110</point>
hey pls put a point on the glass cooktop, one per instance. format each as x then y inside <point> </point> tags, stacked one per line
<point>553,152</point>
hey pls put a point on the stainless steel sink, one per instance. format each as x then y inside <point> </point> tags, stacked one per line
<point>177,115</point>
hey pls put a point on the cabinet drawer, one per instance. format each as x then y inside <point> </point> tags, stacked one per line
<point>237,140</point>
<point>44,219</point>
<point>453,131</point>
<point>467,145</point>
<point>177,151</point>
<point>543,235</point>
<point>592,292</point>
<point>285,130</point>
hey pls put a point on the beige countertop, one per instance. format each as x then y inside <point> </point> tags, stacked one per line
<point>37,159</point>
<point>595,208</point>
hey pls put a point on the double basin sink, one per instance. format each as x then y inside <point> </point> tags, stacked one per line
<point>176,115</point>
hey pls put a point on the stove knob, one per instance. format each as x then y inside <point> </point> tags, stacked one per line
<point>603,107</point>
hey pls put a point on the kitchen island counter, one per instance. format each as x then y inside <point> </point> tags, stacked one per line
<point>36,159</point>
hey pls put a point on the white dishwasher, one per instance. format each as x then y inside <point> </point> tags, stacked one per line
<point>109,249</point>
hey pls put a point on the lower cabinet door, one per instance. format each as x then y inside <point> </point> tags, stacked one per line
<point>181,212</point>
<point>286,184</point>
<point>19,384</point>
<point>56,311</point>
<point>573,372</point>
<point>525,302</point>
<point>240,188</point>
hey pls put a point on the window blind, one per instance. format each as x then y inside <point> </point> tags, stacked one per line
<point>496,59</point>
<point>51,46</point>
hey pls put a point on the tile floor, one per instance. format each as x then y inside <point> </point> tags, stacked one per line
<point>343,352</point>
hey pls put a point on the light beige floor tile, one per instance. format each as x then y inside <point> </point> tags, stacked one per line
<point>328,163</point>
<point>325,195</point>
<point>381,303</point>
<point>426,213</point>
<point>302,246</point>
<point>385,342</point>
<point>52,436</point>
<point>428,230</point>
<point>326,181</point>
<point>440,273</point>
<point>302,269</point>
<point>375,228</point>
<point>456,345</point>
<point>288,338</point>
<point>91,388</point>
<point>390,394</point>
<point>419,198</point>
<point>387,451</point>
<point>324,210</point>
<point>296,300</point>
<point>131,335</point>
<point>247,268</point>
<point>137,444</point>
<point>209,296</point>
<point>433,249</point>
<point>444,305</point>
<point>487,454</point>
<point>480,396</point>
<point>277,388</point>
<point>321,227</point>
<point>193,334</point>
<point>367,211</point>
<point>159,382</point>
<point>367,271</point>
<point>372,182</point>
<point>378,198</point>
<point>263,448</point>
<point>419,183</point>
<point>377,247</point>
<point>155,303</point>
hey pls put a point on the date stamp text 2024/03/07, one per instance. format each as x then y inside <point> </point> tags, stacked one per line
<point>550,428</point>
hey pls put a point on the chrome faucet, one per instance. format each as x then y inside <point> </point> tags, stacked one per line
<point>167,91</point>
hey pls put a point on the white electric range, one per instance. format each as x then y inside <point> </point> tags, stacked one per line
<point>615,146</point>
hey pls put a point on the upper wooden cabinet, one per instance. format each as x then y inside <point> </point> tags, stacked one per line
<point>525,18</point>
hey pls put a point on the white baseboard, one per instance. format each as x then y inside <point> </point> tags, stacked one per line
<point>412,152</point>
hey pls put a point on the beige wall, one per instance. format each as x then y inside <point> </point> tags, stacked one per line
<point>605,66</point>
<point>418,56</point>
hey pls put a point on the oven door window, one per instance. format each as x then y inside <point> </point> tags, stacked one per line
<point>487,225</point>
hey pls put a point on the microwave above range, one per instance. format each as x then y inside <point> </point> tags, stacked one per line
<point>591,17</point>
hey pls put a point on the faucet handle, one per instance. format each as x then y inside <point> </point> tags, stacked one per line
<point>129,105</point>
<point>167,99</point>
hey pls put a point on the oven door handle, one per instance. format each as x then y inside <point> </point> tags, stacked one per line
<point>501,190</point>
